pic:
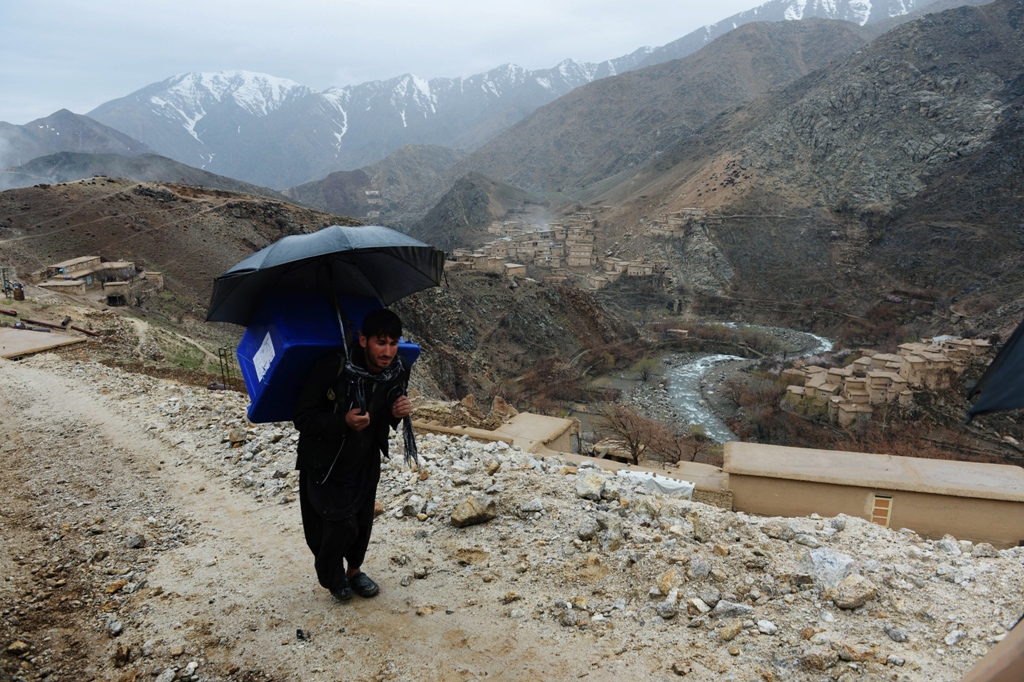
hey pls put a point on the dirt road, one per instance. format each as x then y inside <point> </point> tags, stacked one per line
<point>220,579</point>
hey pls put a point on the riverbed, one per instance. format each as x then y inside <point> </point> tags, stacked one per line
<point>692,382</point>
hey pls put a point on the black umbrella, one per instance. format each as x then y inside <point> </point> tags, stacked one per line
<point>1001,387</point>
<point>372,261</point>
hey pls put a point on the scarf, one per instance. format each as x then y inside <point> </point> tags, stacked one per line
<point>360,377</point>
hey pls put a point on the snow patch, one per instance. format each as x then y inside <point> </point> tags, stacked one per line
<point>795,12</point>
<point>860,11</point>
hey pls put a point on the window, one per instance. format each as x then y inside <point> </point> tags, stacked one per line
<point>881,513</point>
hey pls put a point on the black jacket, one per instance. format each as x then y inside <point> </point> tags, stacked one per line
<point>325,439</point>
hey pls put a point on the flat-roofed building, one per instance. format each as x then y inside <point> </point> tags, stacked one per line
<point>972,501</point>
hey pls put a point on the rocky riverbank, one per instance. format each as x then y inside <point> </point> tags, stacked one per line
<point>152,533</point>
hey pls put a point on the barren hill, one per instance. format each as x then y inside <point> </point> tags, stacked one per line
<point>191,234</point>
<point>71,166</point>
<point>388,192</point>
<point>615,124</point>
<point>864,177</point>
<point>463,214</point>
<point>62,131</point>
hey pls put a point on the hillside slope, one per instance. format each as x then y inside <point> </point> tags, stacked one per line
<point>71,166</point>
<point>62,131</point>
<point>832,186</point>
<point>396,179</point>
<point>461,217</point>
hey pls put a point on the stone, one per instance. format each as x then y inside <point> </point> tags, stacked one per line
<point>681,668</point>
<point>136,542</point>
<point>779,530</point>
<point>474,511</point>
<point>588,530</point>
<point>839,522</point>
<point>237,436</point>
<point>699,568</point>
<point>895,634</point>
<point>854,591</point>
<point>819,658</point>
<point>18,648</point>
<point>984,550</point>
<point>667,609</point>
<point>731,629</point>
<point>115,586</point>
<point>115,628</point>
<point>893,659</point>
<point>573,618</point>
<point>766,627</point>
<point>699,606</point>
<point>949,545</point>
<point>826,566</point>
<point>807,540</point>
<point>589,485</point>
<point>710,595</point>
<point>533,506</point>
<point>414,504</point>
<point>703,530</point>
<point>728,609</point>
<point>954,638</point>
<point>721,550</point>
<point>167,675</point>
<point>853,653</point>
<point>668,580</point>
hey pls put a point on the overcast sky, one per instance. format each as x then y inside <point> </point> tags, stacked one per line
<point>77,54</point>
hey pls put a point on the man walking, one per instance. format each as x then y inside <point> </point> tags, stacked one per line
<point>344,417</point>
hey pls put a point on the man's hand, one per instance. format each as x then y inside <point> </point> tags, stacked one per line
<point>402,407</point>
<point>356,419</point>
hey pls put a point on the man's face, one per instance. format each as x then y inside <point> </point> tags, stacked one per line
<point>380,351</point>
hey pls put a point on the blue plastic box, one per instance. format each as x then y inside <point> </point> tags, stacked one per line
<point>285,338</point>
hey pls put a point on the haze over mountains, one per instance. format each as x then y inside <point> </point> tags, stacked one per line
<point>274,132</point>
<point>824,146</point>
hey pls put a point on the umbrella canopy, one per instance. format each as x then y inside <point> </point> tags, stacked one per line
<point>1001,387</point>
<point>372,261</point>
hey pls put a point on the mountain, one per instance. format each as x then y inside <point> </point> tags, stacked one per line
<point>856,11</point>
<point>388,192</point>
<point>463,214</point>
<point>71,166</point>
<point>618,123</point>
<point>894,170</point>
<point>275,132</point>
<point>62,131</point>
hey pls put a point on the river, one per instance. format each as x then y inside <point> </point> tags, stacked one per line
<point>684,385</point>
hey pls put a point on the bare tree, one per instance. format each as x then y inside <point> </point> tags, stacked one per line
<point>629,428</point>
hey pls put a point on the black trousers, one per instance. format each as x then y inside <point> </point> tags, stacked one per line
<point>335,534</point>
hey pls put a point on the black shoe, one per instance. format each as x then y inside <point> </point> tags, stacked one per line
<point>363,586</point>
<point>343,592</point>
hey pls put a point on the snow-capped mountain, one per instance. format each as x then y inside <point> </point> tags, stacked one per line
<point>275,132</point>
<point>861,12</point>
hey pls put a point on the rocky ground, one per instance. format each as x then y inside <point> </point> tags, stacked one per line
<point>150,532</point>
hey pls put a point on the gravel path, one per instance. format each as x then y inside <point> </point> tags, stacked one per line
<point>138,542</point>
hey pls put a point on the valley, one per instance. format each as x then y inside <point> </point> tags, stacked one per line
<point>798,227</point>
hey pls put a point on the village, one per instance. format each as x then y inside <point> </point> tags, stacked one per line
<point>851,394</point>
<point>565,250</point>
